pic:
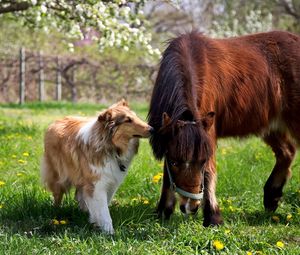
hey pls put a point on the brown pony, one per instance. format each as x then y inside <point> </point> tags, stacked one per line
<point>209,88</point>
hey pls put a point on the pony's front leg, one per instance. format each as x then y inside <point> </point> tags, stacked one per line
<point>167,200</point>
<point>211,211</point>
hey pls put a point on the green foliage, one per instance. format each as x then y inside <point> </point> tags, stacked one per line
<point>27,214</point>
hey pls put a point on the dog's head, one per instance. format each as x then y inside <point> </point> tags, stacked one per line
<point>123,124</point>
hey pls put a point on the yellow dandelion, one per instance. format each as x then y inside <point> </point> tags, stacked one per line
<point>289,217</point>
<point>231,208</point>
<point>218,245</point>
<point>21,161</point>
<point>29,137</point>
<point>1,206</point>
<point>62,222</point>
<point>248,253</point>
<point>156,178</point>
<point>25,154</point>
<point>223,152</point>
<point>227,231</point>
<point>2,183</point>
<point>55,222</point>
<point>275,218</point>
<point>134,200</point>
<point>14,156</point>
<point>145,202</point>
<point>280,244</point>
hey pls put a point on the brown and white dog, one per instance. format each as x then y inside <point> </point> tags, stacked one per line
<point>93,155</point>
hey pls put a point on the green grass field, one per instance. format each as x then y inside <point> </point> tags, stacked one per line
<point>30,225</point>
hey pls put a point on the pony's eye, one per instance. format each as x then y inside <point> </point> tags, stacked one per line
<point>129,120</point>
<point>202,162</point>
<point>174,163</point>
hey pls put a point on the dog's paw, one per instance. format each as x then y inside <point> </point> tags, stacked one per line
<point>107,228</point>
<point>82,206</point>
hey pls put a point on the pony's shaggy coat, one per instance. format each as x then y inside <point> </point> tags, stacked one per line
<point>93,155</point>
<point>228,87</point>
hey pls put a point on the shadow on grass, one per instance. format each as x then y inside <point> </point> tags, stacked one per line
<point>32,214</point>
<point>259,217</point>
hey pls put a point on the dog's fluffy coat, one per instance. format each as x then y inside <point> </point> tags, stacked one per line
<point>93,155</point>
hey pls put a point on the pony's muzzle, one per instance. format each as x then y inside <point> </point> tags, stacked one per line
<point>189,206</point>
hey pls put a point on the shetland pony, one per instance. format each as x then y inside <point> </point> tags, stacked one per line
<point>210,88</point>
<point>93,155</point>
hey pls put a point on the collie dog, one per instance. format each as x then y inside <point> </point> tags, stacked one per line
<point>93,155</point>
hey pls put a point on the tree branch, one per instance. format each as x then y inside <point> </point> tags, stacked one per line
<point>14,7</point>
<point>289,10</point>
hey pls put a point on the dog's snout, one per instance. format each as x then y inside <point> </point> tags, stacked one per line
<point>151,130</point>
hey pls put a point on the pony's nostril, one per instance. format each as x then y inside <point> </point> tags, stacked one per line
<point>182,209</point>
<point>194,210</point>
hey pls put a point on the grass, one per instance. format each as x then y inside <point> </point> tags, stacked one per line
<point>26,212</point>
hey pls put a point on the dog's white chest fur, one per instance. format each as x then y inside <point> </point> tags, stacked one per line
<point>115,168</point>
<point>111,173</point>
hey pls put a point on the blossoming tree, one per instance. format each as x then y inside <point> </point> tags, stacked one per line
<point>119,23</point>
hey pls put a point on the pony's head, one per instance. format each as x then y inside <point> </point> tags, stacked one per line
<point>186,147</point>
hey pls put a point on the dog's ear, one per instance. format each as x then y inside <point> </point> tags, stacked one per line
<point>105,116</point>
<point>123,102</point>
<point>208,120</point>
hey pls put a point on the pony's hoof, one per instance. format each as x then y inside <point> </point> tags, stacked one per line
<point>213,220</point>
<point>272,197</point>
<point>271,204</point>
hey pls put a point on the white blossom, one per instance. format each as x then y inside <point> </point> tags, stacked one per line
<point>43,8</point>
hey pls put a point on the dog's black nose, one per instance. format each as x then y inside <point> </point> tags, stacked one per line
<point>151,130</point>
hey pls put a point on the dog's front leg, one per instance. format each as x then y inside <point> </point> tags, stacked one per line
<point>98,208</point>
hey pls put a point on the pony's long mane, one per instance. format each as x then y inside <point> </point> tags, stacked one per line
<point>175,93</point>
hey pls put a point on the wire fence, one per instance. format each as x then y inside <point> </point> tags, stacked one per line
<point>34,76</point>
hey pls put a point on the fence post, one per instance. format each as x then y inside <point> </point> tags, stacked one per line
<point>41,78</point>
<point>73,88</point>
<point>22,76</point>
<point>58,80</point>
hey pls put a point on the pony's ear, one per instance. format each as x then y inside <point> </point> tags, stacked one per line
<point>165,119</point>
<point>208,120</point>
<point>105,116</point>
<point>122,102</point>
